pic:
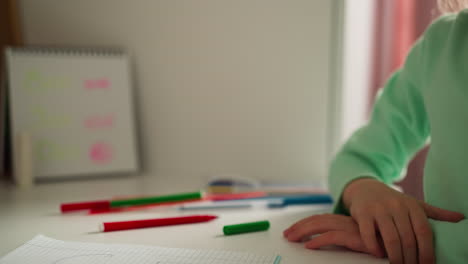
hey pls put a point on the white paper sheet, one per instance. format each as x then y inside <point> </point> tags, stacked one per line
<point>44,250</point>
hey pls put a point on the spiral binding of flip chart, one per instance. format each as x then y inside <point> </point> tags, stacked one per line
<point>44,250</point>
<point>76,105</point>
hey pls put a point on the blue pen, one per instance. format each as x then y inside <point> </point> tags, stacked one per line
<point>307,199</point>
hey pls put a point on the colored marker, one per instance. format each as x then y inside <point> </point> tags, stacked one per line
<point>212,206</point>
<point>156,199</point>
<point>106,204</point>
<point>246,228</point>
<point>68,207</point>
<point>317,197</point>
<point>137,207</point>
<point>307,199</point>
<point>135,224</point>
<point>236,196</point>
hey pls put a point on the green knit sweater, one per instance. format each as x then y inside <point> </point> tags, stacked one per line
<point>426,99</point>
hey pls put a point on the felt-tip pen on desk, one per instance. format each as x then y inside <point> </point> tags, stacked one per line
<point>145,223</point>
<point>105,204</point>
<point>236,204</point>
<point>246,228</point>
<point>214,206</point>
<point>273,202</point>
<point>301,200</point>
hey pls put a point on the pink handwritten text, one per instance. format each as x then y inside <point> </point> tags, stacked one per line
<point>100,153</point>
<point>99,122</point>
<point>97,84</point>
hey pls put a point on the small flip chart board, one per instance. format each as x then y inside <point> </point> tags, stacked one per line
<point>76,105</point>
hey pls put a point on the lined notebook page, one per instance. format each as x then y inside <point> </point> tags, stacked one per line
<point>44,250</point>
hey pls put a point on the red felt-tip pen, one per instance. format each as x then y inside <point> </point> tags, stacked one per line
<point>125,225</point>
<point>68,207</point>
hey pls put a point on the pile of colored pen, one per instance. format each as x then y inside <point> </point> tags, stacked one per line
<point>182,200</point>
<point>216,201</point>
<point>116,205</point>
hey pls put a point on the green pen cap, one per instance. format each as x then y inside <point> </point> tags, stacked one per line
<point>246,228</point>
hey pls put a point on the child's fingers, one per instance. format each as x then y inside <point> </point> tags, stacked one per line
<point>441,214</point>
<point>339,238</point>
<point>423,232</point>
<point>390,237</point>
<point>300,223</point>
<point>369,237</point>
<point>317,225</point>
<point>337,219</point>
<point>408,241</point>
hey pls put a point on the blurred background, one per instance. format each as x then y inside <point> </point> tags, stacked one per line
<point>263,89</point>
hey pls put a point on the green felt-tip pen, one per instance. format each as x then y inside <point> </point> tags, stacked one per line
<point>156,199</point>
<point>246,228</point>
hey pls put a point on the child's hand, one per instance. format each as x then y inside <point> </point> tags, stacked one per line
<point>400,220</point>
<point>334,229</point>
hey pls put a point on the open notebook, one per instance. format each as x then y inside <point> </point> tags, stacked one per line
<point>44,250</point>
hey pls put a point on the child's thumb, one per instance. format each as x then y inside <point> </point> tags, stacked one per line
<point>440,214</point>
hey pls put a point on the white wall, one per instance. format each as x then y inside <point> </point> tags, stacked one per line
<point>359,23</point>
<point>238,87</point>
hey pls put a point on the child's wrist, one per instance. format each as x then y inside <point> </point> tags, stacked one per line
<point>353,188</point>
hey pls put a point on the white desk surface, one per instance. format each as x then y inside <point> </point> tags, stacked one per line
<point>27,212</point>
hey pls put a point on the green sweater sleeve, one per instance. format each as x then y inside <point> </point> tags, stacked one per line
<point>399,126</point>
<point>397,129</point>
<point>451,240</point>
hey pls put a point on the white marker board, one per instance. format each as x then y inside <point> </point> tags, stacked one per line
<point>76,105</point>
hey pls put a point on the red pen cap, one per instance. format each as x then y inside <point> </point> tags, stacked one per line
<point>68,207</point>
